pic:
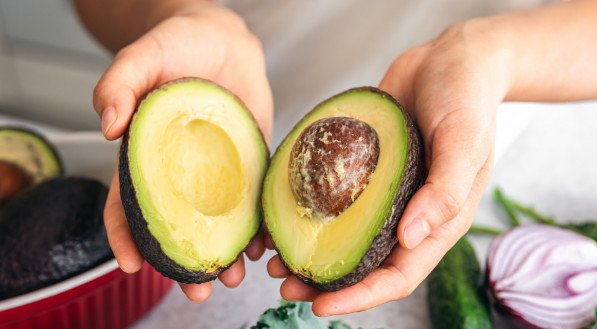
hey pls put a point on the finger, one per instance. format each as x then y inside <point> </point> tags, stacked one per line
<point>459,148</point>
<point>381,286</point>
<point>197,293</point>
<point>233,276</point>
<point>129,77</point>
<point>119,234</point>
<point>276,269</point>
<point>256,248</point>
<point>293,289</point>
<point>404,269</point>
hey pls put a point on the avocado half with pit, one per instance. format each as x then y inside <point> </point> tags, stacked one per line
<point>338,184</point>
<point>191,169</point>
<point>26,158</point>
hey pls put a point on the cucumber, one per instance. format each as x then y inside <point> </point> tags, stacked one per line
<point>456,297</point>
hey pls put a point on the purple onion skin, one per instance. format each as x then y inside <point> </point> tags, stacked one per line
<point>514,319</point>
<point>550,235</point>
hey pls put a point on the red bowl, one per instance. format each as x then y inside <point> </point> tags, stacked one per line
<point>103,297</point>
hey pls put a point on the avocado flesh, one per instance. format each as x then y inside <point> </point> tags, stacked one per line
<point>324,251</point>
<point>195,159</point>
<point>31,152</point>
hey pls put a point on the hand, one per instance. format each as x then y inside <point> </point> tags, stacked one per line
<point>213,44</point>
<point>451,86</point>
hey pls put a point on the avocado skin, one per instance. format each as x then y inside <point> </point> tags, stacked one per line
<point>51,232</point>
<point>456,297</point>
<point>413,178</point>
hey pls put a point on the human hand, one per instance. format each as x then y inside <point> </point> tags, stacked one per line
<point>451,86</point>
<point>210,42</point>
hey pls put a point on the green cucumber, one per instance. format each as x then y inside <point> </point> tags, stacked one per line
<point>456,297</point>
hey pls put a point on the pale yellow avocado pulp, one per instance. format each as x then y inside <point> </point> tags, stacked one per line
<point>325,251</point>
<point>30,152</point>
<point>197,160</point>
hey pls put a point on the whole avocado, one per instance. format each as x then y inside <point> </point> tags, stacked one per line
<point>51,232</point>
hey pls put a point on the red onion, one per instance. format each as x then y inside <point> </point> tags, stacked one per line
<point>544,277</point>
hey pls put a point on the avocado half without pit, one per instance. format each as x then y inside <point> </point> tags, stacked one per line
<point>191,169</point>
<point>338,184</point>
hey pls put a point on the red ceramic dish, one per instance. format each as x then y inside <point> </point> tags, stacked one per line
<point>103,297</point>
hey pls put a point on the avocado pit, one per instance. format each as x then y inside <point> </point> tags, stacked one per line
<point>330,165</point>
<point>13,180</point>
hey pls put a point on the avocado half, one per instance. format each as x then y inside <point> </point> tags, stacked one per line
<point>338,250</point>
<point>26,158</point>
<point>191,169</point>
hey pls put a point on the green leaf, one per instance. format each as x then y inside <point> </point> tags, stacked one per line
<point>479,229</point>
<point>338,325</point>
<point>294,315</point>
<point>507,205</point>
<point>512,206</point>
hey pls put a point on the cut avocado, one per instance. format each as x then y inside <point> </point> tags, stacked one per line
<point>31,152</point>
<point>332,249</point>
<point>50,232</point>
<point>26,158</point>
<point>191,169</point>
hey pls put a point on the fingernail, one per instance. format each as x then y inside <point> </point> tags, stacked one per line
<point>415,233</point>
<point>109,116</point>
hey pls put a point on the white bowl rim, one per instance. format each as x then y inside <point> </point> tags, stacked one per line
<point>59,287</point>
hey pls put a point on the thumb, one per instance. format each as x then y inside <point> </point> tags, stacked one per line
<point>460,156</point>
<point>115,96</point>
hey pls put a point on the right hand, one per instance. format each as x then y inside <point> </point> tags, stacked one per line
<point>451,86</point>
<point>209,42</point>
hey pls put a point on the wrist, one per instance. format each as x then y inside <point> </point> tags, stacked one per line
<point>496,52</point>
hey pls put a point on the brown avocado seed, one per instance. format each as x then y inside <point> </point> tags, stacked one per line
<point>330,165</point>
<point>13,180</point>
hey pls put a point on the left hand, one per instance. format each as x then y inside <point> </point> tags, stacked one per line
<point>451,86</point>
<point>212,43</point>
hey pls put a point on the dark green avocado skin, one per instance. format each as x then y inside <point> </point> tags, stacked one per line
<point>413,178</point>
<point>51,232</point>
<point>456,297</point>
<point>148,245</point>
